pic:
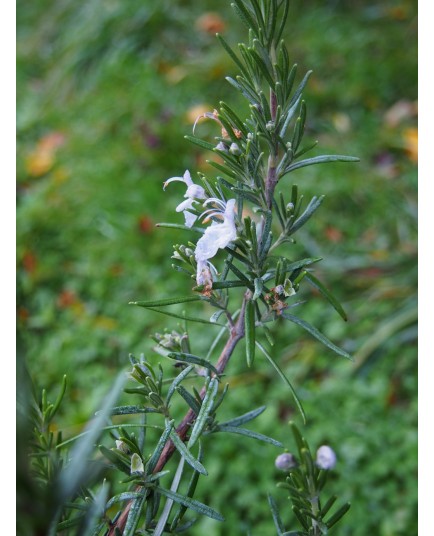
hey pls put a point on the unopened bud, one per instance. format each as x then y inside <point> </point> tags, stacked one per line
<point>270,126</point>
<point>325,457</point>
<point>285,461</point>
<point>122,446</point>
<point>234,149</point>
<point>136,464</point>
<point>221,147</point>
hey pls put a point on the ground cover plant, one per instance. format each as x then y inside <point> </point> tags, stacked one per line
<point>65,282</point>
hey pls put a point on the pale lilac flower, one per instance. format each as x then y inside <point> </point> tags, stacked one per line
<point>285,461</point>
<point>217,236</point>
<point>325,457</point>
<point>194,191</point>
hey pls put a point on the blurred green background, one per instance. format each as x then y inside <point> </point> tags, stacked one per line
<point>106,91</point>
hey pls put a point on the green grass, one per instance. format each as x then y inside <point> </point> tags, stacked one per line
<point>117,80</point>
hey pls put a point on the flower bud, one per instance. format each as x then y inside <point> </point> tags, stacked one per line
<point>325,457</point>
<point>221,147</point>
<point>136,464</point>
<point>270,126</point>
<point>122,446</point>
<point>285,461</point>
<point>234,149</point>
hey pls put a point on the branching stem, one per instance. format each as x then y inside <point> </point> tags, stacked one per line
<point>236,334</point>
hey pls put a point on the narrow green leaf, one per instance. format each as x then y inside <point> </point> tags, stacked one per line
<point>312,207</point>
<point>59,399</point>
<point>224,169</point>
<point>152,462</point>
<point>237,122</point>
<point>287,117</point>
<point>215,316</point>
<point>191,400</point>
<point>248,93</point>
<point>232,54</point>
<point>132,410</point>
<point>116,459</point>
<point>238,272</point>
<point>262,67</point>
<point>316,283</point>
<point>284,378</point>
<point>301,518</point>
<point>271,20</point>
<point>338,515</point>
<point>189,493</point>
<point>246,417</point>
<point>245,16</point>
<point>324,159</point>
<point>166,301</point>
<point>289,268</point>
<point>205,410</point>
<point>185,317</point>
<point>191,503</point>
<point>218,285</point>
<point>276,516</point>
<point>283,19</point>
<point>192,359</point>
<point>317,334</point>
<point>247,195</point>
<point>177,381</point>
<point>68,523</point>
<point>300,88</point>
<point>249,433</point>
<point>305,149</point>
<point>328,505</point>
<point>134,516</point>
<point>179,226</point>
<point>186,453</point>
<point>125,496</point>
<point>250,332</point>
<point>201,143</point>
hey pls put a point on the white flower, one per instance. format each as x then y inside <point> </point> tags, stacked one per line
<point>325,457</point>
<point>216,237</point>
<point>194,191</point>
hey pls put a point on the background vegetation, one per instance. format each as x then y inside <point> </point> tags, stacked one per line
<point>106,91</point>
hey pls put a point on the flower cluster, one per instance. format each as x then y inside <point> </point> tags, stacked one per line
<point>218,235</point>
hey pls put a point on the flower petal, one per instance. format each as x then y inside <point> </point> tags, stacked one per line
<point>185,205</point>
<point>196,191</point>
<point>189,218</point>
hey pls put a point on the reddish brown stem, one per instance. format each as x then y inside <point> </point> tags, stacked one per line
<point>236,334</point>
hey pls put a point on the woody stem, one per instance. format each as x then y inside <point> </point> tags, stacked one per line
<point>236,334</point>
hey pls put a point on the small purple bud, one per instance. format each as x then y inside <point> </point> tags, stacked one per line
<point>221,147</point>
<point>285,461</point>
<point>325,457</point>
<point>234,149</point>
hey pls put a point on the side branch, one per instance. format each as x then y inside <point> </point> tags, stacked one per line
<point>236,334</point>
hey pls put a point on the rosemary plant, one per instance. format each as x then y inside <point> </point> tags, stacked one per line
<point>237,255</point>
